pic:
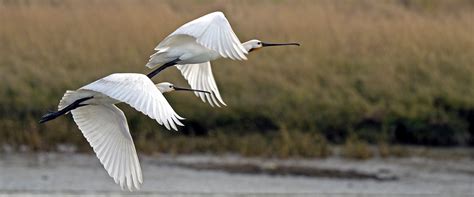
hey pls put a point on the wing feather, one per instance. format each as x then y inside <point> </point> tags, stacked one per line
<point>105,128</point>
<point>199,76</point>
<point>214,32</point>
<point>138,91</point>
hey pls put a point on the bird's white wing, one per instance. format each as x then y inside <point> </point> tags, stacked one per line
<point>138,91</point>
<point>213,31</point>
<point>105,128</point>
<point>200,77</point>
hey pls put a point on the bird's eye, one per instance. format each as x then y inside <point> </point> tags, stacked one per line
<point>259,43</point>
<point>171,86</point>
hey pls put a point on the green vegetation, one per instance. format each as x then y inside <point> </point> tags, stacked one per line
<point>357,149</point>
<point>368,72</point>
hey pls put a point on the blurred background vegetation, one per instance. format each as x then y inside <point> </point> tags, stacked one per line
<point>374,72</point>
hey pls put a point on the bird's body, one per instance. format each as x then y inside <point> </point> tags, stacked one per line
<point>192,46</point>
<point>185,48</point>
<point>98,98</point>
<point>105,126</point>
<point>134,89</point>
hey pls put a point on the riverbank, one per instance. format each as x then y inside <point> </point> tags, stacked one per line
<point>229,175</point>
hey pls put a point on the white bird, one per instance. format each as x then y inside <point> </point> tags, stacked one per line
<point>192,46</point>
<point>105,126</point>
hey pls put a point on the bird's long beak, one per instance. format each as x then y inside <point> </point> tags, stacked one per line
<point>266,44</point>
<point>188,89</point>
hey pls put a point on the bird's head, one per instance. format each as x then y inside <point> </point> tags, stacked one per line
<point>169,87</point>
<point>253,45</point>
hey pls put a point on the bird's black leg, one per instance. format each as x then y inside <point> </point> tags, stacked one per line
<point>52,115</point>
<point>164,66</point>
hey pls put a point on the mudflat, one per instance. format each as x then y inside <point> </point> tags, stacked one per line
<point>229,175</point>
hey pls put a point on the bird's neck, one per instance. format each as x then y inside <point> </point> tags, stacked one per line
<point>247,46</point>
<point>161,89</point>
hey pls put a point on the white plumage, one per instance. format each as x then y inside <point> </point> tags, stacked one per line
<point>196,43</point>
<point>200,76</point>
<point>191,48</point>
<point>140,92</point>
<point>193,45</point>
<point>105,126</point>
<point>211,31</point>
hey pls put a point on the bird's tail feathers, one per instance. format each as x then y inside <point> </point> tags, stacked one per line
<point>71,100</point>
<point>158,59</point>
<point>67,99</point>
<point>151,65</point>
<point>71,96</point>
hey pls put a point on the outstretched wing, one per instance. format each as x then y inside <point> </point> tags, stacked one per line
<point>213,31</point>
<point>138,91</point>
<point>105,128</point>
<point>200,77</point>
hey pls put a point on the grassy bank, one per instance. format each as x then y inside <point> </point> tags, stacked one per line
<point>384,71</point>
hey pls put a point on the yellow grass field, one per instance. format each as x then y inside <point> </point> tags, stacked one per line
<point>396,71</point>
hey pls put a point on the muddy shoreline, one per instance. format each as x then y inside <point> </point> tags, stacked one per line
<point>278,168</point>
<point>232,175</point>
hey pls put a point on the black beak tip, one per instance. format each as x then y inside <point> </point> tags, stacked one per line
<point>280,44</point>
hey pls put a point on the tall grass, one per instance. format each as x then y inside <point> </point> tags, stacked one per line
<point>400,71</point>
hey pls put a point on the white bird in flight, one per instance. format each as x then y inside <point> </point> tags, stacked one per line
<point>192,46</point>
<point>105,126</point>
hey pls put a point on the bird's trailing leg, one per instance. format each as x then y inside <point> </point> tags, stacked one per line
<point>52,115</point>
<point>164,66</point>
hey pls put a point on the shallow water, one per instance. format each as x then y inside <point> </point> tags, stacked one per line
<point>62,174</point>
